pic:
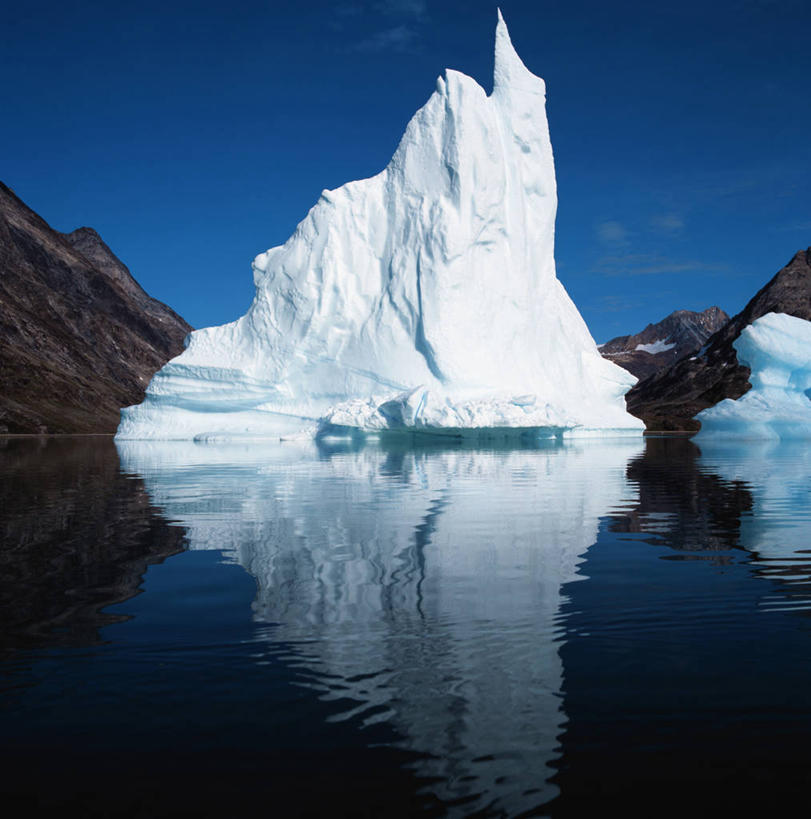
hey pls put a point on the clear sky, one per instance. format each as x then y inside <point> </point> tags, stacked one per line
<point>194,135</point>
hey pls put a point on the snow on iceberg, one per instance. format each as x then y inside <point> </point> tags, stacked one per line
<point>422,298</point>
<point>777,348</point>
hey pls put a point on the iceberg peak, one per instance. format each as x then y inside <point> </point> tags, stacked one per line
<point>509,72</point>
<point>424,297</point>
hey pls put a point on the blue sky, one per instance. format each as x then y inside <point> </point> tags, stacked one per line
<point>194,135</point>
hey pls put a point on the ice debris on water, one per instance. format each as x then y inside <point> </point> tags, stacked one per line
<point>777,349</point>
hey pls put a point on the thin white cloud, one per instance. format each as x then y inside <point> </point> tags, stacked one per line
<point>612,232</point>
<point>348,9</point>
<point>399,21</point>
<point>793,227</point>
<point>403,8</point>
<point>649,264</point>
<point>398,38</point>
<point>667,223</point>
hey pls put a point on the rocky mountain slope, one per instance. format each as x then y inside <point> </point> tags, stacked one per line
<point>79,338</point>
<point>669,399</point>
<point>662,344</point>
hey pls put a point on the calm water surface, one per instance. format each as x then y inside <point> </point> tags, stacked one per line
<point>393,630</point>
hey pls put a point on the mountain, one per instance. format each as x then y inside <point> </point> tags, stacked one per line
<point>424,297</point>
<point>669,399</point>
<point>79,338</point>
<point>662,344</point>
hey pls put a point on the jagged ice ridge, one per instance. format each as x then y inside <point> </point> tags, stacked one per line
<point>424,298</point>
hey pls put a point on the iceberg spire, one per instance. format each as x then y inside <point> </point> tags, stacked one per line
<point>421,298</point>
<point>509,71</point>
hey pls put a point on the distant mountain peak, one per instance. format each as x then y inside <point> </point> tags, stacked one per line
<point>661,344</point>
<point>88,242</point>
<point>670,398</point>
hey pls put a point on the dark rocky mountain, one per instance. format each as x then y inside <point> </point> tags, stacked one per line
<point>79,338</point>
<point>662,344</point>
<point>669,399</point>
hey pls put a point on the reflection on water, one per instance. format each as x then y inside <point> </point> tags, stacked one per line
<point>681,503</point>
<point>76,535</point>
<point>777,531</point>
<point>568,625</point>
<point>709,501</point>
<point>423,586</point>
<point>692,689</point>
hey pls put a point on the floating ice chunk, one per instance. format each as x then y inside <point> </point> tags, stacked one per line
<point>424,297</point>
<point>777,348</point>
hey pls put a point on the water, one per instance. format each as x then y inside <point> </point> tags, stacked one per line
<point>396,630</point>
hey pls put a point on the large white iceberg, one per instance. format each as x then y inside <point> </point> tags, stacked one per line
<point>777,348</point>
<point>422,298</point>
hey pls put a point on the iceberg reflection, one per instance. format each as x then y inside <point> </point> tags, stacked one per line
<point>729,496</point>
<point>778,530</point>
<point>416,586</point>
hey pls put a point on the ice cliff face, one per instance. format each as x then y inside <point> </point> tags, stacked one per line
<point>423,297</point>
<point>777,348</point>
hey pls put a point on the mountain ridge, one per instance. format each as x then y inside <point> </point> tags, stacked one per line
<point>669,399</point>
<point>79,337</point>
<point>664,342</point>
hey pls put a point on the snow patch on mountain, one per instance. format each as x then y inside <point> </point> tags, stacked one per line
<point>658,346</point>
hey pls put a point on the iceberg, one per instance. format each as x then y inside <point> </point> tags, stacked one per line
<point>423,298</point>
<point>777,349</point>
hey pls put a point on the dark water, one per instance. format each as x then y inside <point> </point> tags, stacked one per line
<point>556,630</point>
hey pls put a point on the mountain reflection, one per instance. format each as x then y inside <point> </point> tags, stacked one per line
<point>417,586</point>
<point>778,530</point>
<point>690,681</point>
<point>75,535</point>
<point>753,497</point>
<point>425,598</point>
<point>682,503</point>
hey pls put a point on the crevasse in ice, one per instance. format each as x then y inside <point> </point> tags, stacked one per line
<point>777,348</point>
<point>422,298</point>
